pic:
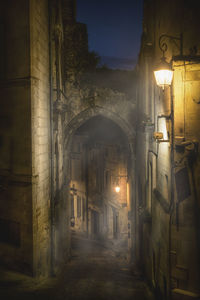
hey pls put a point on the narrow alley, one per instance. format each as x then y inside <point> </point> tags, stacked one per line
<point>99,150</point>
<point>96,271</point>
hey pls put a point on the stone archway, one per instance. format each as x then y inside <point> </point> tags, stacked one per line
<point>69,131</point>
<point>87,114</point>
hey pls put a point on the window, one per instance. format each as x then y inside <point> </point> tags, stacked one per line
<point>98,180</point>
<point>83,207</point>
<point>105,215</point>
<point>78,206</point>
<point>72,206</point>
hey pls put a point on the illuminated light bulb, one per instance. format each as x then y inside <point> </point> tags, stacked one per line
<point>163,73</point>
<point>117,189</point>
<point>163,77</point>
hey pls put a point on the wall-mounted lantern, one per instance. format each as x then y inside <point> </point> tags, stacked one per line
<point>163,72</point>
<point>117,186</point>
<point>118,181</point>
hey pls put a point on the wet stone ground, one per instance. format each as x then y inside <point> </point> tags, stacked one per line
<point>94,272</point>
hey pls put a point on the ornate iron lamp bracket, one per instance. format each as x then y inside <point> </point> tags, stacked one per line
<point>163,45</point>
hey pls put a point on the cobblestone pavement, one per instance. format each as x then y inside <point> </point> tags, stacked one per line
<point>94,272</point>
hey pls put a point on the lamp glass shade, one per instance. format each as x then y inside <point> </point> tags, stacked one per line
<point>163,77</point>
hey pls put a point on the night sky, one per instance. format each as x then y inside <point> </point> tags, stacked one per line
<point>114,29</point>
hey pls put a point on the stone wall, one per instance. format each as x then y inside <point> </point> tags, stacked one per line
<point>40,126</point>
<point>15,133</point>
<point>25,164</point>
<point>168,235</point>
<point>185,231</point>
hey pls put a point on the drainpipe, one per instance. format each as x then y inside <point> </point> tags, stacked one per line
<point>87,188</point>
<point>171,209</point>
<point>133,204</point>
<point>51,143</point>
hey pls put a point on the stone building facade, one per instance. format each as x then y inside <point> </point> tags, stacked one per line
<point>168,169</point>
<point>25,134</point>
<point>43,103</point>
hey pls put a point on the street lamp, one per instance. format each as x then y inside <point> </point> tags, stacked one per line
<point>118,181</point>
<point>163,72</point>
<point>117,189</point>
<point>117,186</point>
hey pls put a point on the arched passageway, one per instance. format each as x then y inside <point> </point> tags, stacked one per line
<point>96,210</point>
<point>99,187</point>
<point>98,202</point>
